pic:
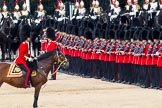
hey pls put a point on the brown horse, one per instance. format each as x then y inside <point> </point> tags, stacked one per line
<point>45,64</point>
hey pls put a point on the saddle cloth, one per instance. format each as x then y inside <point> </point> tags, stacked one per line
<point>15,71</point>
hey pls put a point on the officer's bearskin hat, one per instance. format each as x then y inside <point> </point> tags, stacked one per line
<point>88,34</point>
<point>24,32</point>
<point>155,33</point>
<point>50,33</point>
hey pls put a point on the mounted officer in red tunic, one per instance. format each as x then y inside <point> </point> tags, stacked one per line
<point>51,45</point>
<point>23,54</point>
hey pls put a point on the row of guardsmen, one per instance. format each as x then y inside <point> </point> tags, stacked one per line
<point>128,55</point>
<point>17,13</point>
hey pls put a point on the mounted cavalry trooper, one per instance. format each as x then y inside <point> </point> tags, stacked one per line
<point>23,53</point>
<point>24,11</point>
<point>51,45</point>
<point>92,8</point>
<point>60,12</point>
<point>111,8</point>
<point>4,10</point>
<point>40,13</point>
<point>146,5</point>
<point>97,11</point>
<point>153,5</point>
<point>135,8</point>
<point>116,11</point>
<point>128,6</point>
<point>153,10</point>
<point>76,10</point>
<point>82,9</point>
<point>16,13</point>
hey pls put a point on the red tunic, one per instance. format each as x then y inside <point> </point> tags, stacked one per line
<point>51,46</point>
<point>106,58</point>
<point>23,51</point>
<point>126,56</point>
<point>44,44</point>
<point>112,56</point>
<point>149,58</point>
<point>154,58</point>
<point>144,58</point>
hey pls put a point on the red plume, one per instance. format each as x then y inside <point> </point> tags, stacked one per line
<point>133,2</point>
<point>16,2</point>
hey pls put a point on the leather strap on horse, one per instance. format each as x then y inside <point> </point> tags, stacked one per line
<point>59,67</point>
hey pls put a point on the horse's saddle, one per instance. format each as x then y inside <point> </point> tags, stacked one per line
<point>16,71</point>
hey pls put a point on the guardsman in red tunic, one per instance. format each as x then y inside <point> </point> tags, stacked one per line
<point>87,54</point>
<point>51,45</point>
<point>149,59</point>
<point>155,73</point>
<point>102,57</point>
<point>127,66</point>
<point>23,53</point>
<point>144,49</point>
<point>112,74</point>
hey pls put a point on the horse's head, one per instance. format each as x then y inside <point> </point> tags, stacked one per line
<point>61,60</point>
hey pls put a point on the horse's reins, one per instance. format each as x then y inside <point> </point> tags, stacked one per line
<point>59,66</point>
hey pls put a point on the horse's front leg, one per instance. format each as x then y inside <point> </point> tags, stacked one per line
<point>36,95</point>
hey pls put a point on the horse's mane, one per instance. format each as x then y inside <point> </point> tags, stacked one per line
<point>46,55</point>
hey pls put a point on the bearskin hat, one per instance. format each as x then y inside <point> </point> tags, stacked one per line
<point>24,32</point>
<point>50,33</point>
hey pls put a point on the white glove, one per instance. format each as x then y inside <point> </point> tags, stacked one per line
<point>30,59</point>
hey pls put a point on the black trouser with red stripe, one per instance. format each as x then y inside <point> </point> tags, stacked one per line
<point>26,75</point>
